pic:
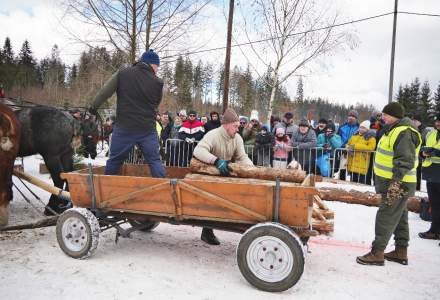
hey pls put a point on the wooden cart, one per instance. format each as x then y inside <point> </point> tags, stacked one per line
<point>275,217</point>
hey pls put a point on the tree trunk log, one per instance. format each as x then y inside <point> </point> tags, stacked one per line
<point>38,224</point>
<point>237,170</point>
<point>364,198</point>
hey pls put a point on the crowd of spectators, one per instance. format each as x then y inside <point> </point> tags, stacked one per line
<point>324,149</point>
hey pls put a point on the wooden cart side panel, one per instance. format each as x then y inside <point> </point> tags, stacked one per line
<point>294,205</point>
<point>133,192</point>
<point>226,200</point>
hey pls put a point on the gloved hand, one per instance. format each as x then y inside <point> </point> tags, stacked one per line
<point>222,166</point>
<point>395,191</point>
<point>190,140</point>
<point>92,110</point>
<point>350,148</point>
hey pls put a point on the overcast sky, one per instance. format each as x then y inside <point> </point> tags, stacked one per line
<point>358,75</point>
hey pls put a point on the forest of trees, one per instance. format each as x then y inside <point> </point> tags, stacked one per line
<point>418,99</point>
<point>188,84</point>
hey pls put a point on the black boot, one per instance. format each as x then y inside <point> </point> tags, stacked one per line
<point>209,237</point>
<point>429,235</point>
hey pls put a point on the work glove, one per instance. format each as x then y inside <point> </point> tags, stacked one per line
<point>190,140</point>
<point>395,191</point>
<point>222,166</point>
<point>350,148</point>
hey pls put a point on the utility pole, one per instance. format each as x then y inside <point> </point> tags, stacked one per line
<point>228,56</point>
<point>393,47</point>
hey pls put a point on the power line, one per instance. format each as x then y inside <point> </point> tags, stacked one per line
<point>418,14</point>
<point>290,35</point>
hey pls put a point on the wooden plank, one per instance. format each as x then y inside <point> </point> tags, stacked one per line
<point>222,201</point>
<point>129,198</point>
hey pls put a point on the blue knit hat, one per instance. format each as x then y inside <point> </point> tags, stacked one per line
<point>150,57</point>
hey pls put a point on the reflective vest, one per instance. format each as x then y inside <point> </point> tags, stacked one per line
<point>383,161</point>
<point>431,141</point>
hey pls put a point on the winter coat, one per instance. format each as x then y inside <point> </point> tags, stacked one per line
<point>304,141</point>
<point>289,129</point>
<point>403,161</point>
<point>218,144</point>
<point>432,173</point>
<point>264,143</point>
<point>282,148</point>
<point>192,130</point>
<point>334,141</point>
<point>249,135</point>
<point>359,161</point>
<point>346,131</point>
<point>139,92</point>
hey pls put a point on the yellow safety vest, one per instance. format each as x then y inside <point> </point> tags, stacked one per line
<point>383,160</point>
<point>431,141</point>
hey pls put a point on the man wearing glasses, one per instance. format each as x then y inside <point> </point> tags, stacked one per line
<point>219,147</point>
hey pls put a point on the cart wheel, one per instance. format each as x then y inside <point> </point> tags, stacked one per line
<point>147,226</point>
<point>270,256</point>
<point>78,232</point>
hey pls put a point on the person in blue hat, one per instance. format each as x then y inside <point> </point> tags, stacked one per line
<point>139,93</point>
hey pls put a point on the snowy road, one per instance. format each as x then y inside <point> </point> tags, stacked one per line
<point>172,263</point>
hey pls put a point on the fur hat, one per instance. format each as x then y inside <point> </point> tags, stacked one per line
<point>394,109</point>
<point>365,124</point>
<point>353,113</point>
<point>229,116</point>
<point>303,123</point>
<point>280,130</point>
<point>150,57</point>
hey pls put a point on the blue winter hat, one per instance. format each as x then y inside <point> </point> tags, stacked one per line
<point>150,57</point>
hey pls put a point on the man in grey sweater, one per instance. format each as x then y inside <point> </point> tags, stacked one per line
<point>219,147</point>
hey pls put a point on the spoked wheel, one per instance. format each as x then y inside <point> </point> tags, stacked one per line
<point>78,232</point>
<point>145,226</point>
<point>270,256</point>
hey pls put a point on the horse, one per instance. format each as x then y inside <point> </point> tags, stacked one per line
<point>54,134</point>
<point>9,145</point>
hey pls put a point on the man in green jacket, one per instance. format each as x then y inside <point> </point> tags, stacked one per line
<point>395,165</point>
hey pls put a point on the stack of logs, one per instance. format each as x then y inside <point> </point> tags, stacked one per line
<point>322,216</point>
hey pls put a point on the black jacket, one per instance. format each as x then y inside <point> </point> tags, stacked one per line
<point>139,93</point>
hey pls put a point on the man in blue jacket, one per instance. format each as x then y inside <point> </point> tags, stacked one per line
<point>346,131</point>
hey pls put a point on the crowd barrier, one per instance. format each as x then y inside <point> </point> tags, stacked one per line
<point>341,163</point>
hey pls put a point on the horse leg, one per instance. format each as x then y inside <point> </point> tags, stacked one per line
<point>67,164</point>
<point>53,164</point>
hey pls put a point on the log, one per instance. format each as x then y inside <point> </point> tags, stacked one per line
<point>363,198</point>
<point>237,170</point>
<point>38,224</point>
<point>42,184</point>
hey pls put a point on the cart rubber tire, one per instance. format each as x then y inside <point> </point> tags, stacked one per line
<point>271,257</point>
<point>78,232</point>
<point>149,225</point>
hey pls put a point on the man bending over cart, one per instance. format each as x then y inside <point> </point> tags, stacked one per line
<point>139,92</point>
<point>219,147</point>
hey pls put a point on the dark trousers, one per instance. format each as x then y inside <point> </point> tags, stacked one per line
<point>356,177</point>
<point>123,141</point>
<point>434,201</point>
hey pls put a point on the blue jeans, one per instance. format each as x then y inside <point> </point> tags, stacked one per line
<point>122,142</point>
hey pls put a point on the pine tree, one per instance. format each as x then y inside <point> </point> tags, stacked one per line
<point>73,75</point>
<point>8,66</point>
<point>27,71</point>
<point>198,82</point>
<point>436,100</point>
<point>220,83</point>
<point>424,106</point>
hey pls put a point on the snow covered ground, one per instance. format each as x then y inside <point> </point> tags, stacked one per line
<point>173,263</point>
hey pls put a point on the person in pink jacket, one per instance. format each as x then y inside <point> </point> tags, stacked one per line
<point>281,149</point>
